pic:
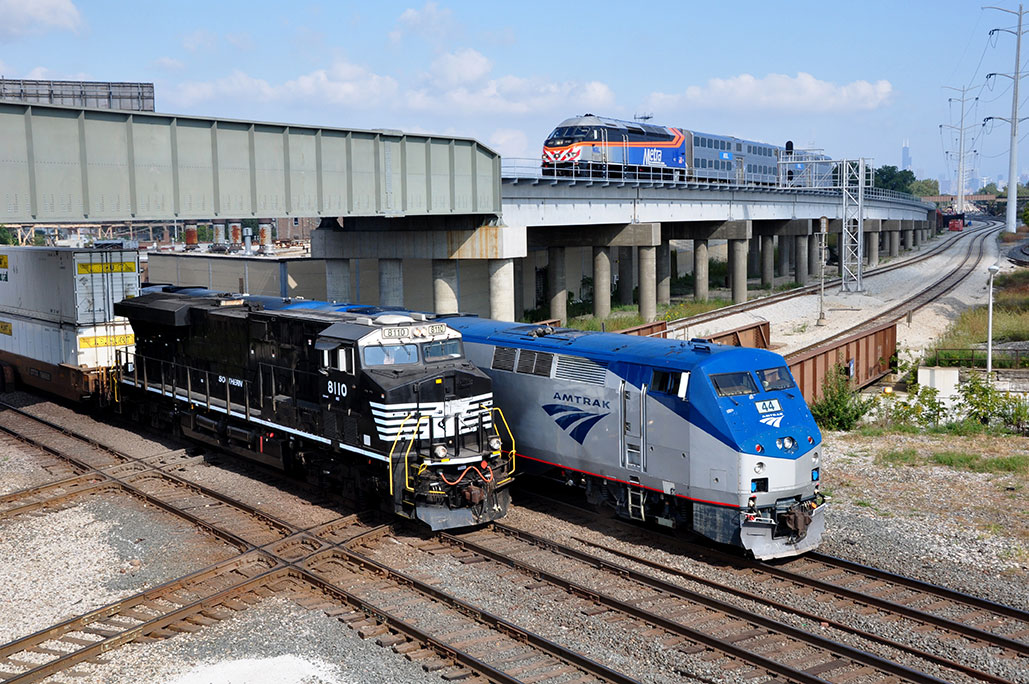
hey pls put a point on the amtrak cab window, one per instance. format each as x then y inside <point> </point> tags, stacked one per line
<point>775,379</point>
<point>670,382</point>
<point>733,384</point>
<point>390,355</point>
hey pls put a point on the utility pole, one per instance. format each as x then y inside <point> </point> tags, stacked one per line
<point>961,143</point>
<point>1013,153</point>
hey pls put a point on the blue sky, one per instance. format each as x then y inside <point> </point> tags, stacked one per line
<point>854,79</point>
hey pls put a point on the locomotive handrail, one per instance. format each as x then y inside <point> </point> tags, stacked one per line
<point>410,444</point>
<point>389,458</point>
<point>490,410</point>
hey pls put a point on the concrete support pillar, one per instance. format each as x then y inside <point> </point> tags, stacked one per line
<point>800,261</point>
<point>872,249</point>
<point>909,240</point>
<point>700,289</point>
<point>391,282</point>
<point>519,287</point>
<point>625,275</point>
<point>601,282</point>
<point>648,282</point>
<point>556,284</point>
<point>767,261</point>
<point>754,257</point>
<point>664,274</point>
<point>337,280</point>
<point>738,270</point>
<point>501,289</point>
<point>444,286</point>
<point>814,256</point>
<point>894,243</point>
<point>917,237</point>
<point>784,256</point>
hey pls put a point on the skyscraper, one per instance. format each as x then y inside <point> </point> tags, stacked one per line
<point>905,157</point>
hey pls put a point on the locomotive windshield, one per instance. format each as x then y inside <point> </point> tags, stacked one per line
<point>732,384</point>
<point>442,349</point>
<point>389,355</point>
<point>775,379</point>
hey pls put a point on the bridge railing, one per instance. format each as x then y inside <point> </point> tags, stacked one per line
<point>531,168</point>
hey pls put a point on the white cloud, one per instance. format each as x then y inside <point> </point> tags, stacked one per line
<point>200,40</point>
<point>342,84</point>
<point>429,22</point>
<point>240,41</point>
<point>168,63</point>
<point>463,66</point>
<point>510,142</point>
<point>777,92</point>
<point>42,73</point>
<point>23,17</point>
<point>514,95</point>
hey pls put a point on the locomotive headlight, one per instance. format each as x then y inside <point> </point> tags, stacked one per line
<point>440,451</point>
<point>494,443</point>
<point>788,443</point>
<point>779,443</point>
<point>759,467</point>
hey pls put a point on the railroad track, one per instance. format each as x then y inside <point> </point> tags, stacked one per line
<point>752,304</point>
<point>938,627</point>
<point>942,286</point>
<point>312,566</point>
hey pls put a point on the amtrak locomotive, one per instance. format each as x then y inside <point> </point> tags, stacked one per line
<point>385,405</point>
<point>595,146</point>
<point>690,435</point>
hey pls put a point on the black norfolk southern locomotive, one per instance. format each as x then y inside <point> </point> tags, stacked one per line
<point>385,405</point>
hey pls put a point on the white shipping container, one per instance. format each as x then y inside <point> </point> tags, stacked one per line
<point>85,346</point>
<point>66,284</point>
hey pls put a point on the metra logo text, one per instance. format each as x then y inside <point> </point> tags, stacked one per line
<point>652,157</point>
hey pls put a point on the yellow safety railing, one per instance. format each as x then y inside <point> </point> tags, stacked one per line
<point>503,419</point>
<point>396,439</point>
<point>407,467</point>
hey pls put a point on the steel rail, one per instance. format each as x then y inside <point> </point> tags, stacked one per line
<point>825,645</point>
<point>835,624</point>
<point>926,587</point>
<point>775,298</point>
<point>347,554</point>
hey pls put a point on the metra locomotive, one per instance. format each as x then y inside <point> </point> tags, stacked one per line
<point>690,435</point>
<point>384,404</point>
<point>591,145</point>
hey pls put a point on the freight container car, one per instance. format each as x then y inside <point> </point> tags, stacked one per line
<point>58,331</point>
<point>75,286</point>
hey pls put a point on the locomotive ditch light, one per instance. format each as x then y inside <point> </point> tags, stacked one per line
<point>440,451</point>
<point>494,443</point>
<point>759,467</point>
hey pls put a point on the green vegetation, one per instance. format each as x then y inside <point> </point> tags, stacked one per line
<point>961,460</point>
<point>897,457</point>
<point>6,236</point>
<point>891,178</point>
<point>1010,324</point>
<point>840,407</point>
<point>929,187</point>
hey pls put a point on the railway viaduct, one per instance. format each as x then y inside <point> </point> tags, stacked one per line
<point>392,199</point>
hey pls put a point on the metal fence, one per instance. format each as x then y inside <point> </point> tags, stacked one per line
<point>976,358</point>
<point>516,168</point>
<point>137,97</point>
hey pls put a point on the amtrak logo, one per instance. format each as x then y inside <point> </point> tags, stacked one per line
<point>577,422</point>
<point>773,421</point>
